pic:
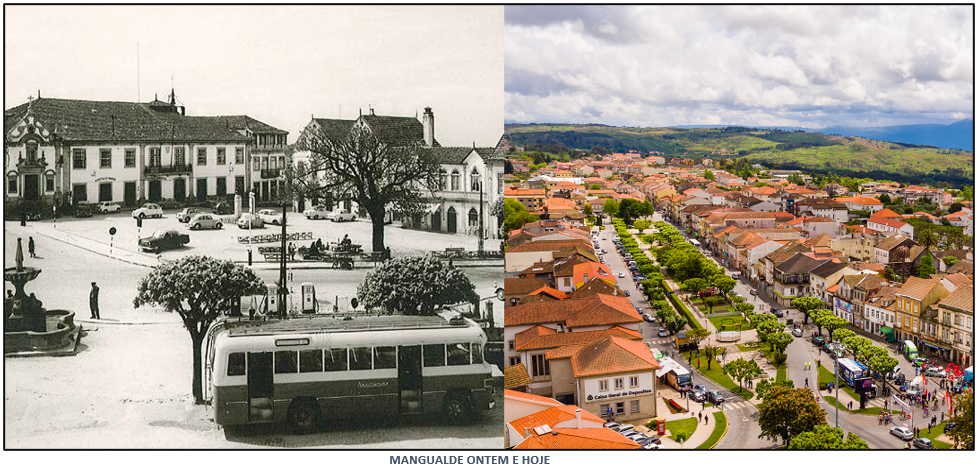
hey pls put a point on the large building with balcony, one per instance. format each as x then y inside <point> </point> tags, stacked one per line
<point>66,152</point>
<point>471,177</point>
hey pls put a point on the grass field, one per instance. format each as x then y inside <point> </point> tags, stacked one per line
<point>739,323</point>
<point>716,374</point>
<point>717,432</point>
<point>781,372</point>
<point>688,425</point>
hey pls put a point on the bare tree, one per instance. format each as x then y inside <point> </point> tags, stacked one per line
<point>379,171</point>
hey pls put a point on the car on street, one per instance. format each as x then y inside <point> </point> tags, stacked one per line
<point>186,213</point>
<point>715,397</point>
<point>901,432</point>
<point>623,428</point>
<point>316,212</point>
<point>163,240</point>
<point>894,373</point>
<point>777,312</point>
<point>270,216</point>
<point>923,443</point>
<point>627,294</point>
<point>648,317</point>
<point>344,216</point>
<point>735,276</point>
<point>818,341</point>
<point>934,371</point>
<point>84,210</point>
<point>148,210</point>
<point>753,292</point>
<point>106,207</point>
<point>205,221</point>
<point>248,221</point>
<point>698,393</point>
<point>662,332</point>
<point>603,237</point>
<point>797,332</point>
<point>611,425</point>
<point>621,274</point>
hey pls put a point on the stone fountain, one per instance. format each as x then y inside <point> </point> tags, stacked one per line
<point>27,326</point>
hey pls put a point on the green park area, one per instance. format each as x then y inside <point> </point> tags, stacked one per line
<point>688,425</point>
<point>717,432</point>
<point>716,374</point>
<point>730,323</point>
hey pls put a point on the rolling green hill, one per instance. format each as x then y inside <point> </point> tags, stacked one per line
<point>843,155</point>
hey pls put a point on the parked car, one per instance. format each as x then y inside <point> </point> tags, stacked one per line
<point>106,207</point>
<point>205,221</point>
<point>777,312</point>
<point>316,212</point>
<point>662,332</point>
<point>901,432</point>
<point>648,317</point>
<point>186,213</point>
<point>620,274</point>
<point>248,221</point>
<point>948,426</point>
<point>148,210</point>
<point>84,210</point>
<point>223,208</point>
<point>715,397</point>
<point>627,294</point>
<point>894,373</point>
<point>923,443</point>
<point>163,240</point>
<point>698,393</point>
<point>623,428</point>
<point>611,425</point>
<point>344,217</point>
<point>270,216</point>
<point>934,371</point>
<point>753,292</point>
<point>797,332</point>
<point>735,276</point>
<point>818,341</point>
<point>603,237</point>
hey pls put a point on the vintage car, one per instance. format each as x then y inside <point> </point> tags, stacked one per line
<point>163,240</point>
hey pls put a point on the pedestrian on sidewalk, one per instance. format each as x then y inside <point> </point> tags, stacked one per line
<point>805,382</point>
<point>707,419</point>
<point>93,301</point>
<point>700,417</point>
<point>30,247</point>
<point>291,251</point>
<point>849,406</point>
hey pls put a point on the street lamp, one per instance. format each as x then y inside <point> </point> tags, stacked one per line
<point>838,349</point>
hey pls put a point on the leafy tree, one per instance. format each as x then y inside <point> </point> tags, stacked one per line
<point>796,179</point>
<point>963,434</point>
<point>765,324</point>
<point>840,333</point>
<point>955,207</point>
<point>394,286</point>
<point>380,170</point>
<point>764,386</point>
<point>882,364</point>
<point>779,341</point>
<point>927,238</point>
<point>826,437</point>
<point>737,299</point>
<point>724,283</point>
<point>675,323</point>
<point>697,335</point>
<point>199,289</point>
<point>786,413</point>
<point>711,351</point>
<point>806,305</point>
<point>926,267</point>
<point>885,199</point>
<point>681,437</point>
<point>588,210</point>
<point>695,284</point>
<point>745,308</point>
<point>741,370</point>
<point>610,207</point>
<point>856,344</point>
<point>818,317</point>
<point>711,301</point>
<point>949,260</point>
<point>594,186</point>
<point>708,175</point>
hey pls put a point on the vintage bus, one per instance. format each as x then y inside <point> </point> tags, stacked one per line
<point>314,368</point>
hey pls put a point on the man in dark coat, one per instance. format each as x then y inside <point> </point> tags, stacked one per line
<point>93,301</point>
<point>30,247</point>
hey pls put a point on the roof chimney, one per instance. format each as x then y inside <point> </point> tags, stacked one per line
<point>428,122</point>
<point>579,420</point>
<point>525,432</point>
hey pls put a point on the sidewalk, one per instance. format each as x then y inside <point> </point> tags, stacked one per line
<point>50,230</point>
<point>702,431</point>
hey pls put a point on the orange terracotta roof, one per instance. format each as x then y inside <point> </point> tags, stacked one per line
<point>552,417</point>
<point>612,355</point>
<point>594,310</point>
<point>887,213</point>
<point>961,298</point>
<point>516,376</point>
<point>559,295</point>
<point>886,222</point>
<point>583,272</point>
<point>583,438</point>
<point>508,393</point>
<point>917,288</point>
<point>833,288</point>
<point>554,340</point>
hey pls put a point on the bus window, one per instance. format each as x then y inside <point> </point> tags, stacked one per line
<point>235,364</point>
<point>458,354</point>
<point>336,360</point>
<point>286,361</point>
<point>434,355</point>
<point>361,358</point>
<point>476,353</point>
<point>310,361</point>
<point>384,357</point>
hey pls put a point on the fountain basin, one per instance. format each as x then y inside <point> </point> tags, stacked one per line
<point>62,336</point>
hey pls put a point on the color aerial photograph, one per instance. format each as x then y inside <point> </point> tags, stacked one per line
<point>739,228</point>
<point>256,227</point>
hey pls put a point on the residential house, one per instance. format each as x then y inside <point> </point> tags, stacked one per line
<point>517,378</point>
<point>957,325</point>
<point>826,275</point>
<point>880,311</point>
<point>563,427</point>
<point>915,297</point>
<point>886,247</point>
<point>517,288</point>
<point>882,224</point>
<point>830,209</point>
<point>856,246</point>
<point>791,279</point>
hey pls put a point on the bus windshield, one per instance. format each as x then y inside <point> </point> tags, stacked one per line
<point>684,379</point>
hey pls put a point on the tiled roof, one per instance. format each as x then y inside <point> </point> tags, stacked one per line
<point>584,438</point>
<point>591,311</point>
<point>551,340</point>
<point>523,285</point>
<point>959,279</point>
<point>961,298</point>
<point>516,376</point>
<point>559,295</point>
<point>242,122</point>
<point>887,213</point>
<point>787,251</point>
<point>799,264</point>
<point>891,242</point>
<point>612,355</point>
<point>583,272</point>
<point>917,288</point>
<point>823,240</point>
<point>547,245</point>
<point>962,266</point>
<point>827,268</point>
<point>887,222</point>
<point>510,394</point>
<point>81,121</point>
<point>551,417</point>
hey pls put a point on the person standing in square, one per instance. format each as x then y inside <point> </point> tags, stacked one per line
<point>93,301</point>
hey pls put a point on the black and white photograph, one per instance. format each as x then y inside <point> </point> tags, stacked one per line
<point>237,227</point>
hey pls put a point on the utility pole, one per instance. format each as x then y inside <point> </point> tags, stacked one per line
<point>481,223</point>
<point>281,268</point>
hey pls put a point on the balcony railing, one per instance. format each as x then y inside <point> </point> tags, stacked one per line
<point>168,169</point>
<point>268,147</point>
<point>271,173</point>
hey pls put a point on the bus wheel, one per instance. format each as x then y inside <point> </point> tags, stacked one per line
<point>303,415</point>
<point>457,409</point>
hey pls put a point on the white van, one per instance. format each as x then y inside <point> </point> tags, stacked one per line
<point>915,387</point>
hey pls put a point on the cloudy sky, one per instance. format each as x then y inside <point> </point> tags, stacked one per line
<point>814,66</point>
<point>277,64</point>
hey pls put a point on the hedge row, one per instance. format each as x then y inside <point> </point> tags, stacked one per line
<point>681,306</point>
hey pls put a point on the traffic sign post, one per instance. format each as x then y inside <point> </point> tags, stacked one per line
<point>112,232</point>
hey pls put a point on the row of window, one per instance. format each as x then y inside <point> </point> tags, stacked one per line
<point>604,384</point>
<point>454,182</point>
<point>12,184</point>
<point>79,157</point>
<point>619,408</point>
<point>358,358</point>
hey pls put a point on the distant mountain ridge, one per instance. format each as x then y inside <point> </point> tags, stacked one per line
<point>957,135</point>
